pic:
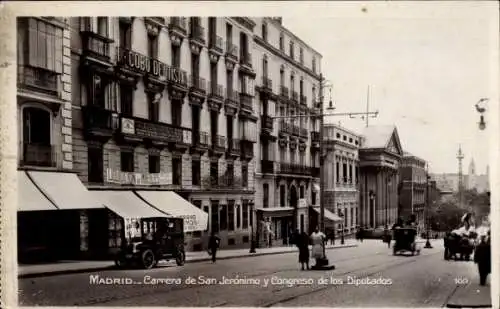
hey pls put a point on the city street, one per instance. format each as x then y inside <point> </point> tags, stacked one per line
<point>421,281</point>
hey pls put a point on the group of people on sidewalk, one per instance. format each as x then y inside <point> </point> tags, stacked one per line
<point>302,241</point>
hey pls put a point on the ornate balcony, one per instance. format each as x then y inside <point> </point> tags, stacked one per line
<point>224,182</point>
<point>295,169</point>
<point>232,102</point>
<point>303,133</point>
<point>197,90</point>
<point>38,155</point>
<point>246,63</point>
<point>267,123</point>
<point>156,19</point>
<point>215,47</point>
<point>160,134</point>
<point>200,141</point>
<point>95,50</point>
<point>246,102</point>
<point>234,148</point>
<point>177,30</point>
<point>215,96</point>
<point>177,80</point>
<point>284,92</point>
<point>231,55</point>
<point>197,35</point>
<point>267,83</point>
<point>267,167</point>
<point>218,144</point>
<point>246,150</point>
<point>295,130</point>
<point>285,127</point>
<point>37,79</point>
<point>98,122</point>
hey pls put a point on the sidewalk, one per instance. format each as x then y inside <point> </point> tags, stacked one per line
<point>471,296</point>
<point>72,267</point>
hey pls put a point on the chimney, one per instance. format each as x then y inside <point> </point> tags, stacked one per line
<point>279,20</point>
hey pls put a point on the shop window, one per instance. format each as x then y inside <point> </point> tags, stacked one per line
<point>238,216</point>
<point>125,30</point>
<point>177,171</point>
<point>214,222</point>
<point>37,149</point>
<point>282,196</point>
<point>127,161</point>
<point>231,242</point>
<point>230,215</point>
<point>244,175</point>
<point>302,191</point>
<point>126,100</point>
<point>176,106</point>
<point>223,217</point>
<point>245,215</point>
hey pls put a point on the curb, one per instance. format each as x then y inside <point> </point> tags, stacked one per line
<point>113,267</point>
<point>467,306</point>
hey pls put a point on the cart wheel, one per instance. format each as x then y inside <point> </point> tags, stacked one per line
<point>148,259</point>
<point>180,259</point>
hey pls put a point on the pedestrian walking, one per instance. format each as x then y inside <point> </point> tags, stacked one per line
<point>332,237</point>
<point>302,242</point>
<point>318,242</point>
<point>482,257</point>
<point>213,245</point>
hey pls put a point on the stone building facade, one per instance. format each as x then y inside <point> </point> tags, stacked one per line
<point>286,159</point>
<point>379,159</point>
<point>169,101</point>
<point>342,176</point>
<point>412,188</point>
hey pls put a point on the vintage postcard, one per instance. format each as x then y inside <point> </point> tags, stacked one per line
<point>249,154</point>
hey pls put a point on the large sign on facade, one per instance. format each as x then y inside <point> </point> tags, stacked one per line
<point>138,179</point>
<point>190,223</point>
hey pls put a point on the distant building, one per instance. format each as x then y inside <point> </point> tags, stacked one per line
<point>342,177</point>
<point>478,182</point>
<point>412,184</point>
<point>380,156</point>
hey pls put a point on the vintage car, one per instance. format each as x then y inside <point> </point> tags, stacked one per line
<point>158,239</point>
<point>458,245</point>
<point>404,238</point>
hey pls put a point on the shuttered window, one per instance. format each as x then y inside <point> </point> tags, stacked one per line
<point>45,45</point>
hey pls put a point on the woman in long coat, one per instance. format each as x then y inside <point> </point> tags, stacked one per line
<point>318,241</point>
<point>302,242</point>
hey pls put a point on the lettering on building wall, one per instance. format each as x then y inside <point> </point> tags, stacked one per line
<point>152,66</point>
<point>138,179</point>
<point>190,223</point>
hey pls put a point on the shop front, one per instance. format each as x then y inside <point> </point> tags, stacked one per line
<point>275,226</point>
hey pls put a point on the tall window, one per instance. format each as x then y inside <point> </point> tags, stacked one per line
<point>176,106</point>
<point>196,171</point>
<point>212,30</point>
<point>302,191</point>
<point>357,174</point>
<point>314,65</point>
<point>282,42</point>
<point>243,46</point>
<point>154,108</point>
<point>264,67</point>
<point>229,34</point>
<point>337,172</point>
<point>301,56</point>
<point>282,156</point>
<point>102,26</point>
<point>230,215</point>
<point>95,165</point>
<point>195,65</point>
<point>292,48</point>
<point>344,172</point>
<point>313,198</point>
<point>177,170</point>
<point>264,32</point>
<point>350,174</point>
<point>265,150</point>
<point>230,173</point>
<point>265,201</point>
<point>282,77</point>
<point>36,126</point>
<point>229,82</point>
<point>301,87</point>
<point>127,161</point>
<point>245,214</point>
<point>314,94</point>
<point>126,96</point>
<point>44,47</point>
<point>229,124</point>
<point>153,46</point>
<point>244,175</point>
<point>292,82</point>
<point>213,77</point>
<point>176,56</point>
<point>214,172</point>
<point>302,159</point>
<point>238,216</point>
<point>154,164</point>
<point>282,196</point>
<point>98,91</point>
<point>125,30</point>
<point>214,124</point>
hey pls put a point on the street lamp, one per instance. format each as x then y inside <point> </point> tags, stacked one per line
<point>371,195</point>
<point>341,214</point>
<point>481,108</point>
<point>428,242</point>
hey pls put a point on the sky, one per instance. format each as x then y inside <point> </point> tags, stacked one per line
<point>427,65</point>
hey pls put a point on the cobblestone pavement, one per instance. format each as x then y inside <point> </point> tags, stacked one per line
<point>273,280</point>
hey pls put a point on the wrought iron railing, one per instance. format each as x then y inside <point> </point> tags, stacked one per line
<point>297,169</point>
<point>284,91</point>
<point>38,78</point>
<point>219,142</point>
<point>267,122</point>
<point>38,155</point>
<point>178,23</point>
<point>216,43</point>
<point>200,139</point>
<point>198,83</point>
<point>231,50</point>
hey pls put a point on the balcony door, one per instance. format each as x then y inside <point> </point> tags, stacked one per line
<point>195,114</point>
<point>95,165</point>
<point>125,30</point>
<point>214,117</point>
<point>212,30</point>
<point>243,45</point>
<point>37,147</point>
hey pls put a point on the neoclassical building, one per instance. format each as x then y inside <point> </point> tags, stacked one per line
<point>167,104</point>
<point>412,188</point>
<point>379,160</point>
<point>342,177</point>
<point>286,154</point>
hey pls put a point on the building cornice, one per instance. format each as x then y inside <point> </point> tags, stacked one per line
<point>285,57</point>
<point>336,126</point>
<point>290,33</point>
<point>245,22</point>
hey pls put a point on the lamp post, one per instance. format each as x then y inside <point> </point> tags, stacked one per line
<point>341,214</point>
<point>481,109</point>
<point>428,242</point>
<point>324,84</point>
<point>254,221</point>
<point>372,198</point>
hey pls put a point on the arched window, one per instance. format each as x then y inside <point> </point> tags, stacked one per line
<point>36,135</point>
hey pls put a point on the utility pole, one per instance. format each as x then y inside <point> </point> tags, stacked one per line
<point>367,115</point>
<point>428,223</point>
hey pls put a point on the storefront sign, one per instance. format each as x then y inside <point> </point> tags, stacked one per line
<point>190,223</point>
<point>138,179</point>
<point>128,126</point>
<point>144,63</point>
<point>302,203</point>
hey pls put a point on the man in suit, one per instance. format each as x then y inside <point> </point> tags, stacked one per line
<point>482,257</point>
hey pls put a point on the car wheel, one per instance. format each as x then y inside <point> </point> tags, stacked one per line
<point>148,259</point>
<point>120,262</point>
<point>180,259</point>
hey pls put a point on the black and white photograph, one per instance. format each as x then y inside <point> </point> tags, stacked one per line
<point>337,155</point>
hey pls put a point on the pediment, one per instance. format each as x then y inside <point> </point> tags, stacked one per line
<point>394,145</point>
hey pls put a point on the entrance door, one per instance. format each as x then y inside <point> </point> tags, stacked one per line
<point>294,203</point>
